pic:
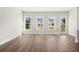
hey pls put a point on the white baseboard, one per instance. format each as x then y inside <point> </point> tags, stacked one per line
<point>8,39</point>
<point>76,41</point>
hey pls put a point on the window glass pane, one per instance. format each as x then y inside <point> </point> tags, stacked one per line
<point>28,22</point>
<point>63,25</point>
<point>39,22</point>
<point>51,23</point>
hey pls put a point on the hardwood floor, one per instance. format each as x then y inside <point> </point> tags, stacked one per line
<point>41,43</point>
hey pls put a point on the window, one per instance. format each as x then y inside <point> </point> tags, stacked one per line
<point>28,22</point>
<point>63,24</point>
<point>51,23</point>
<point>39,22</point>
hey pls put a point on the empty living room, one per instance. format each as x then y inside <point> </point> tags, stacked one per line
<point>39,29</point>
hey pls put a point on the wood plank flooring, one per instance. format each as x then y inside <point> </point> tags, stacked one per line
<point>41,43</point>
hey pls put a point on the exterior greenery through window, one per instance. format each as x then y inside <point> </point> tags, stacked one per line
<point>27,22</point>
<point>63,25</point>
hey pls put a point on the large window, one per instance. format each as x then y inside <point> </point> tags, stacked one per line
<point>39,23</point>
<point>51,23</point>
<point>63,24</point>
<point>28,22</point>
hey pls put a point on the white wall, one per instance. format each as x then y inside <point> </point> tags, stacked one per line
<point>72,23</point>
<point>10,23</point>
<point>78,17</point>
<point>78,24</point>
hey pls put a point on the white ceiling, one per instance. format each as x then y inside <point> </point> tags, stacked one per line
<point>46,8</point>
